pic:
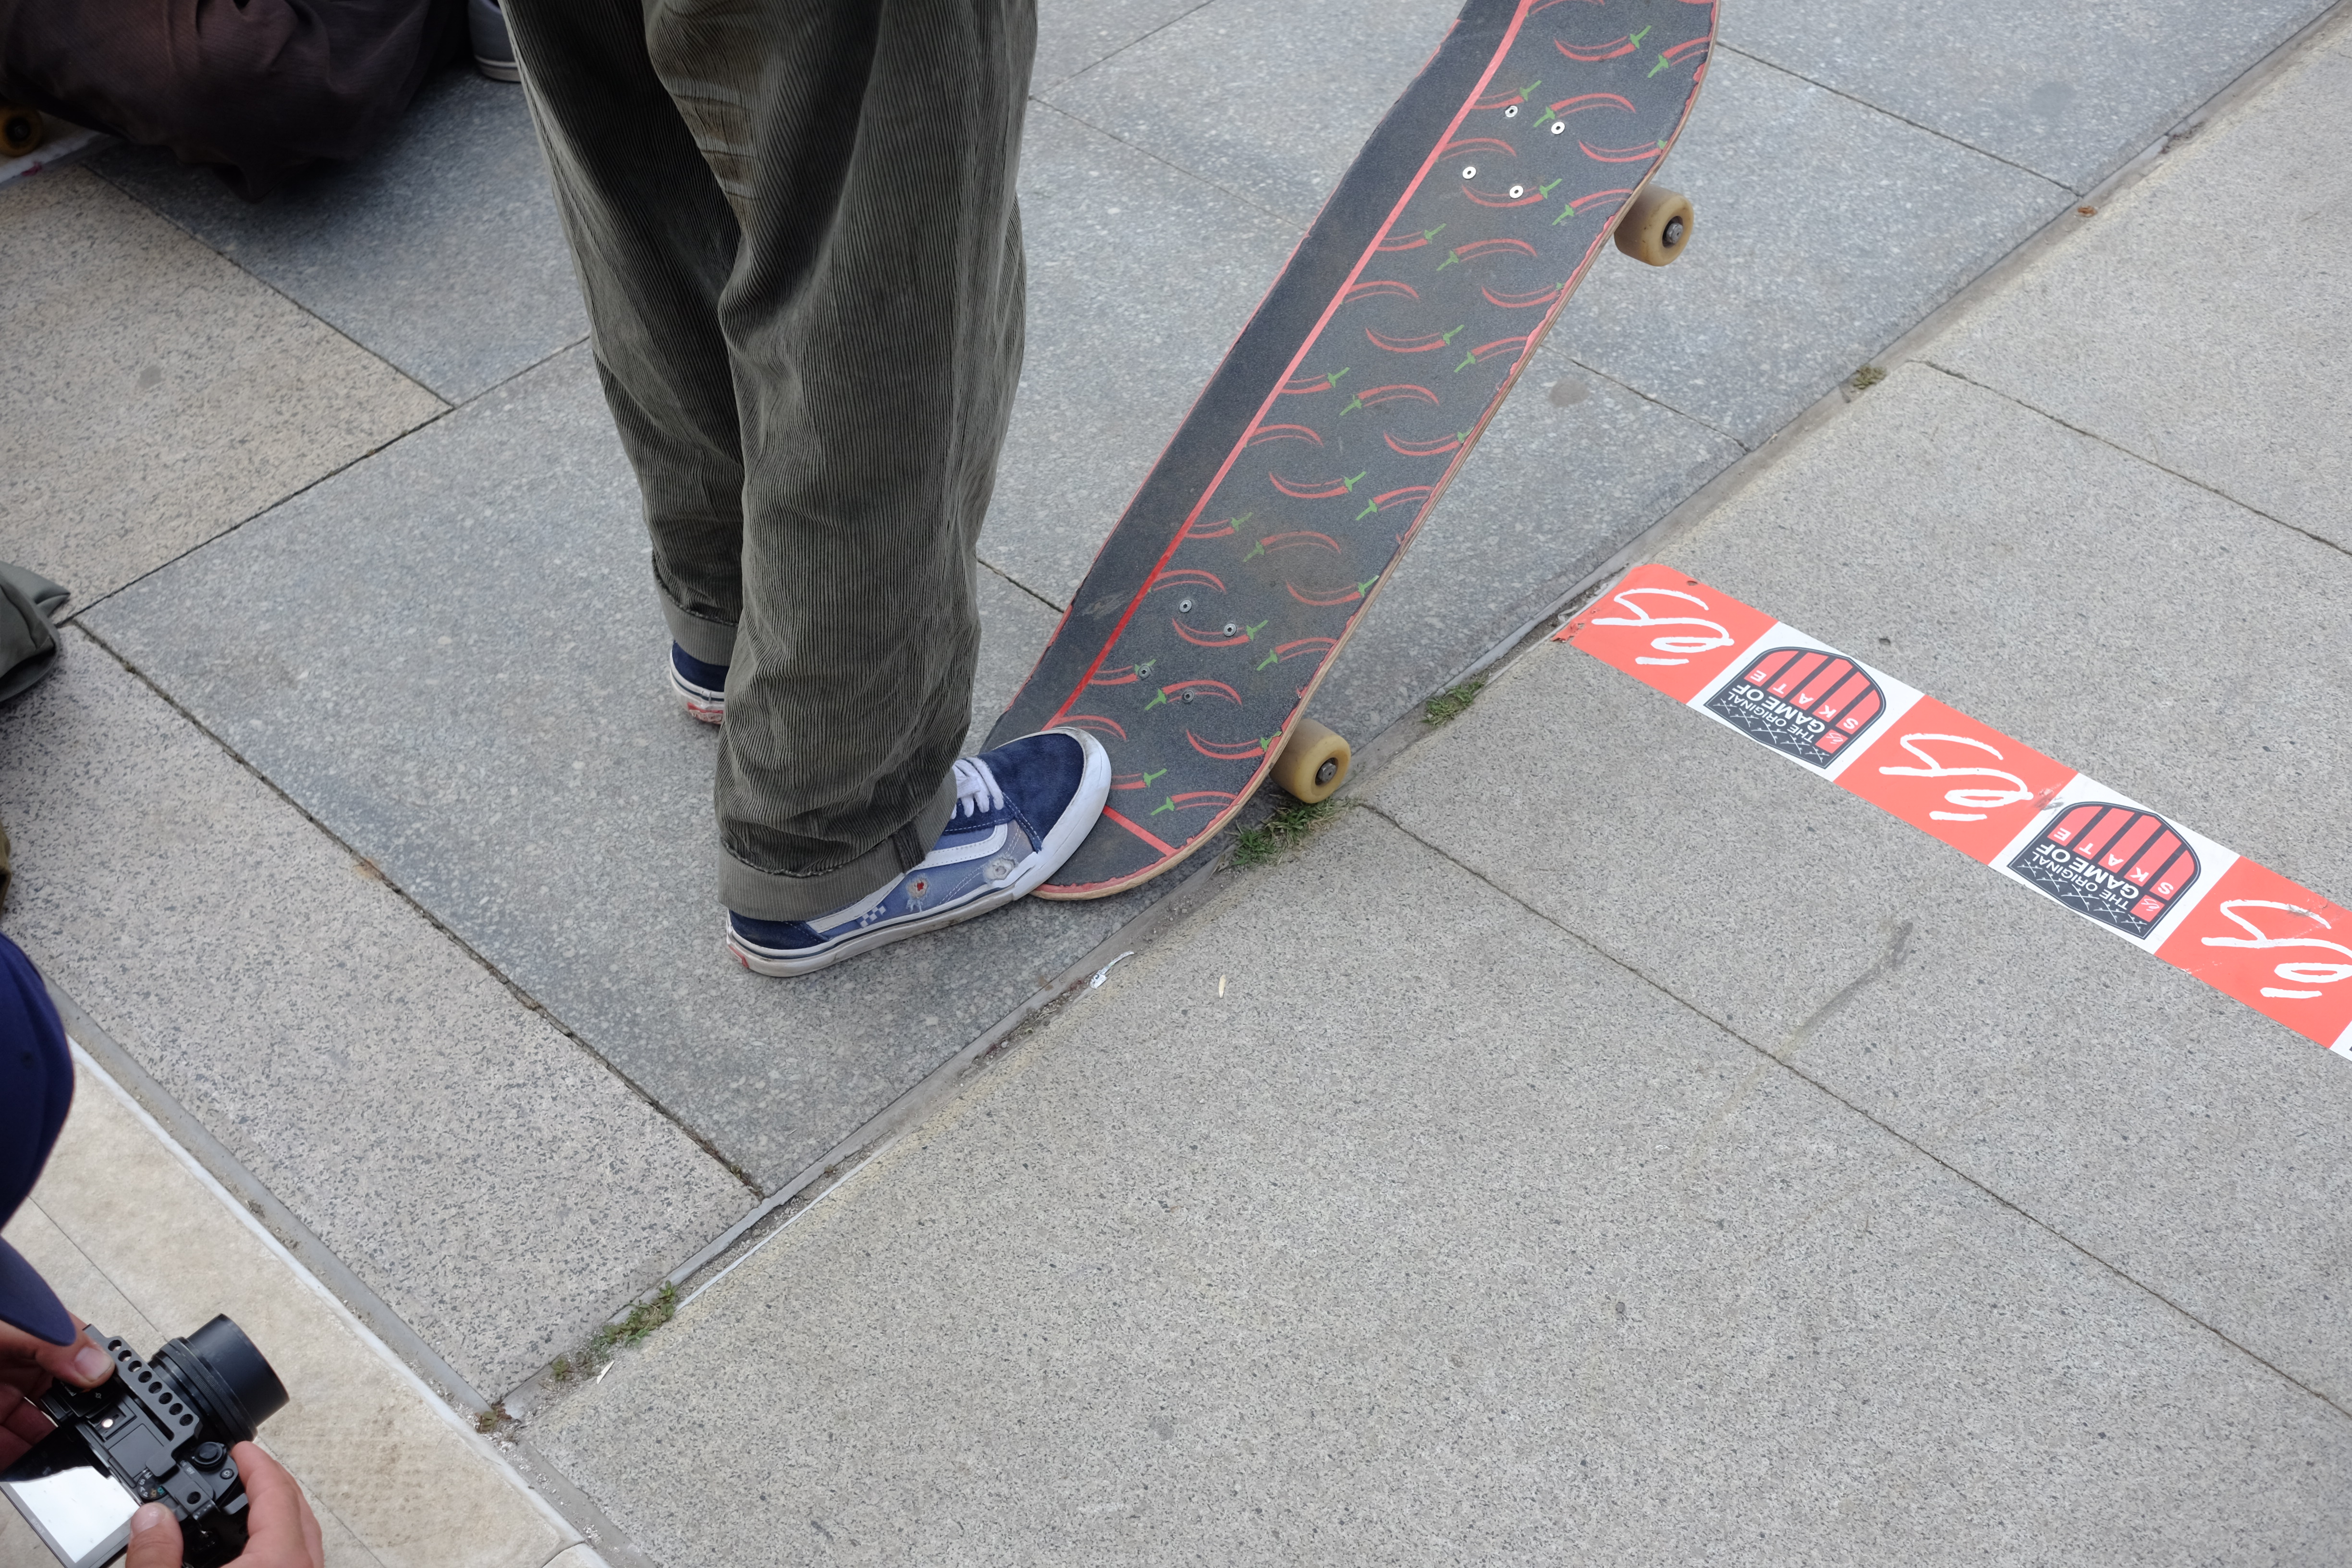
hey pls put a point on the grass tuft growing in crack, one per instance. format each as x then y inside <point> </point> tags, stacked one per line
<point>1450,705</point>
<point>1865,378</point>
<point>1287,829</point>
<point>643,1320</point>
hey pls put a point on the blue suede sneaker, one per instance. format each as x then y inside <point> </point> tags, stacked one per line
<point>1020,810</point>
<point>704,686</point>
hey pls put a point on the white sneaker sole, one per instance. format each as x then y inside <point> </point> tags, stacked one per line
<point>1062,841</point>
<point>710,707</point>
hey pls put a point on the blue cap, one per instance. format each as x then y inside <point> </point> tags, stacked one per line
<point>37,1086</point>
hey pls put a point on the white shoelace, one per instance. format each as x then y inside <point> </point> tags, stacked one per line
<point>976,788</point>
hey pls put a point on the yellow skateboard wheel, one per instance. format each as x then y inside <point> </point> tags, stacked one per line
<point>20,129</point>
<point>1656,227</point>
<point>1314,761</point>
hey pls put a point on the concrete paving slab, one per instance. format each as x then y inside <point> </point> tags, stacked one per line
<point>2070,90</point>
<point>1269,99</point>
<point>2175,1134</point>
<point>1826,228</point>
<point>440,250</point>
<point>153,395</point>
<point>1437,1238</point>
<point>1139,277</point>
<point>2225,358</point>
<point>499,1188</point>
<point>451,655</point>
<point>1574,464</point>
<point>1074,35</point>
<point>134,1237</point>
<point>1949,512</point>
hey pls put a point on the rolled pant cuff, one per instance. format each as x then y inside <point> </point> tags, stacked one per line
<point>708,641</point>
<point>779,896</point>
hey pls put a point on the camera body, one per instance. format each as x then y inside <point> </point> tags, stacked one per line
<point>157,1431</point>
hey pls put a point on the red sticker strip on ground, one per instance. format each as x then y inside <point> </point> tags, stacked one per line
<point>2241,927</point>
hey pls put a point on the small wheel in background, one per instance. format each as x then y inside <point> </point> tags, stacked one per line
<point>1314,761</point>
<point>1656,227</point>
<point>20,129</point>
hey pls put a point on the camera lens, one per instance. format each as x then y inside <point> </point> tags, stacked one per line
<point>219,1372</point>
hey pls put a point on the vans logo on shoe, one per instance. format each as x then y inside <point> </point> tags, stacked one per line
<point>1807,701</point>
<point>2119,865</point>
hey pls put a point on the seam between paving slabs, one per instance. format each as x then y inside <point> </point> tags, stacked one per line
<point>1285,220</point>
<point>530,1002</point>
<point>1754,58</point>
<point>1782,1060</point>
<point>2140,457</point>
<point>448,410</point>
<point>1138,38</point>
<point>1016,583</point>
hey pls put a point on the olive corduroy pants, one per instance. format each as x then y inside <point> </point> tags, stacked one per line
<point>794,225</point>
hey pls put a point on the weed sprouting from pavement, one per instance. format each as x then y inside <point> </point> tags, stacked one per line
<point>1865,378</point>
<point>1448,705</point>
<point>643,1320</point>
<point>1285,829</point>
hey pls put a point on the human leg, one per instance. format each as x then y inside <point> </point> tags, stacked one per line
<point>870,313</point>
<point>654,242</point>
<point>874,322</point>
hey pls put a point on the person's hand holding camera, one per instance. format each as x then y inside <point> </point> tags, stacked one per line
<point>28,1365</point>
<point>284,1534</point>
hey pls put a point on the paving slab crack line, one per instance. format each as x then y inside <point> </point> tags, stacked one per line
<point>530,1002</point>
<point>1285,220</point>
<point>1138,38</point>
<point>1016,583</point>
<point>145,206</point>
<point>448,410</point>
<point>1775,1061</point>
<point>1755,58</point>
<point>2143,458</point>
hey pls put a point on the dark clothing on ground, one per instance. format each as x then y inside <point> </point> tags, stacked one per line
<point>794,225</point>
<point>253,88</point>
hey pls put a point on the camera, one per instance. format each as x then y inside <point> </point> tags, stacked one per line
<point>157,1431</point>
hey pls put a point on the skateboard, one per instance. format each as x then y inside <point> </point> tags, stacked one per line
<point>1263,533</point>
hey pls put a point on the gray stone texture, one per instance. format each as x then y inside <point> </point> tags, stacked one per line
<point>1139,276</point>
<point>2173,1132</point>
<point>439,250</point>
<point>2226,360</point>
<point>452,657</point>
<point>1438,1236</point>
<point>156,396</point>
<point>2070,90</point>
<point>1268,99</point>
<point>497,1188</point>
<point>1826,229</point>
<point>1074,35</point>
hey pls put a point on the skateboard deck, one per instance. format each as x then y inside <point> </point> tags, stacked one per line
<point>1261,537</point>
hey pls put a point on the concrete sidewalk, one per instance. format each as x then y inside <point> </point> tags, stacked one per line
<point>1606,1143</point>
<point>364,675</point>
<point>1525,1128</point>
